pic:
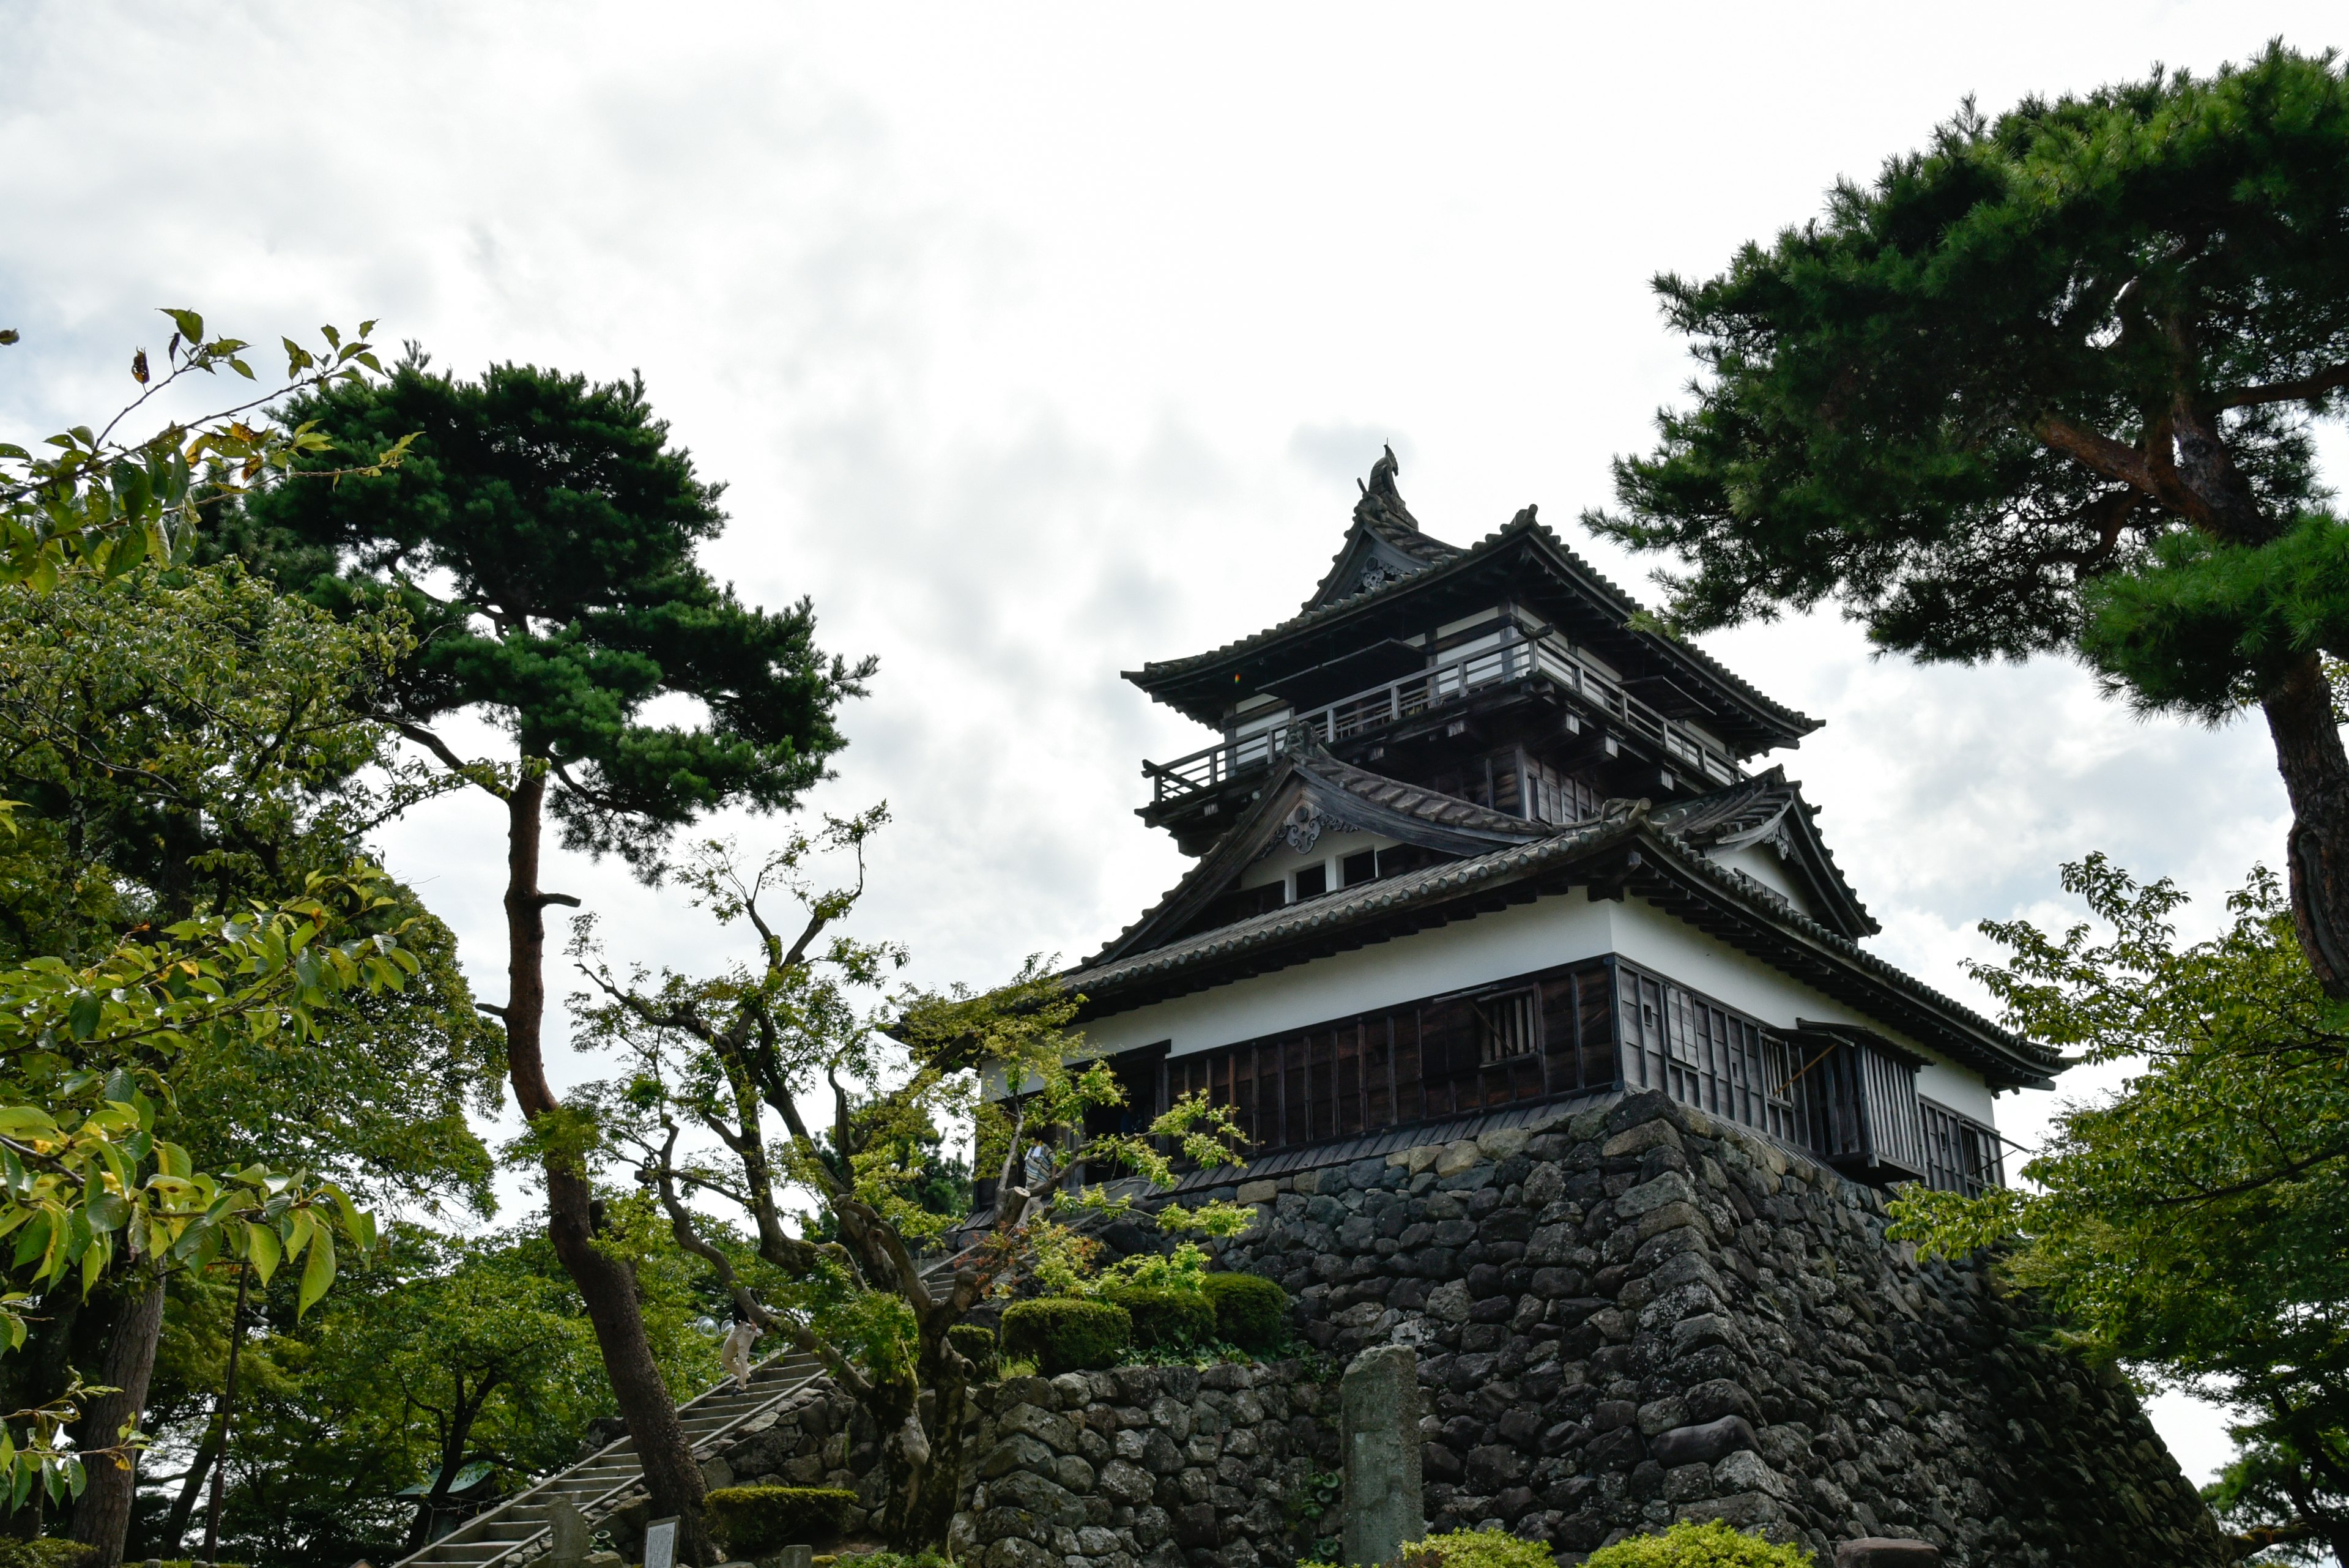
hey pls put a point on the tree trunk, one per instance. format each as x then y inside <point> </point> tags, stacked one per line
<point>923,1489</point>
<point>606,1286</point>
<point>2316,777</point>
<point>102,1514</point>
<point>192,1485</point>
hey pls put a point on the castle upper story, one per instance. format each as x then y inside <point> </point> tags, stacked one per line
<point>1474,840</point>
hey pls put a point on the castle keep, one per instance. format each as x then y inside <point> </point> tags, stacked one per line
<point>1560,1062</point>
<point>1471,841</point>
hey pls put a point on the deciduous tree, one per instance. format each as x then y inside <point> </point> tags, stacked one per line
<point>737,1076</point>
<point>2190,1224</point>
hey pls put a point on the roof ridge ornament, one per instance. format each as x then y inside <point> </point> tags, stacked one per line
<point>1382,501</point>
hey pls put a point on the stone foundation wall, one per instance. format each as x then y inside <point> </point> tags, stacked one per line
<point>1149,1466</point>
<point>819,1437</point>
<point>1632,1315</point>
<point>1638,1315</point>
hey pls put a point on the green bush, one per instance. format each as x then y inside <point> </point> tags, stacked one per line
<point>1168,1320</point>
<point>1060,1334</point>
<point>48,1552</point>
<point>894,1560</point>
<point>1712,1545</point>
<point>1475,1549</point>
<point>755,1519</point>
<point>1251,1311</point>
<point>978,1344</point>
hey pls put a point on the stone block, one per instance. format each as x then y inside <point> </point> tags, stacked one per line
<point>1017,1452</point>
<point>1379,1412</point>
<point>1706,1443</point>
<point>1125,1482</point>
<point>1745,1510</point>
<point>1046,1499</point>
<point>1492,1468</point>
<point>1670,1187</point>
<point>1457,1158</point>
<point>1048,1427</point>
<point>1196,1526</point>
<point>1886,1552</point>
<point>1501,1142</point>
<point>1258,1192</point>
<point>572,1539</point>
<point>1746,1470</point>
<point>1640,1140</point>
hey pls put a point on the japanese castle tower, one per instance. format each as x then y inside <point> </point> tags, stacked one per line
<point>1471,844</point>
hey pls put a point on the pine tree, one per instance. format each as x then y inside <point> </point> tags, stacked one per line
<point>542,536</point>
<point>2047,385</point>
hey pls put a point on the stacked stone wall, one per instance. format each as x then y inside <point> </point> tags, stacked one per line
<point>818,1437</point>
<point>1640,1313</point>
<point>1631,1316</point>
<point>1149,1466</point>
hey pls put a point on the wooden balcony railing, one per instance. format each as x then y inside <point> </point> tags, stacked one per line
<point>1519,657</point>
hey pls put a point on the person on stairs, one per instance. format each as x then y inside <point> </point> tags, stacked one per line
<point>735,1354</point>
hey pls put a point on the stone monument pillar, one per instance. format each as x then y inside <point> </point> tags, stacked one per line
<point>569,1527</point>
<point>1379,1414</point>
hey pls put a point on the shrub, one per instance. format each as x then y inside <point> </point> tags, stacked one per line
<point>46,1552</point>
<point>755,1519</point>
<point>1712,1545</point>
<point>1168,1320</point>
<point>1059,1334</point>
<point>1475,1549</point>
<point>977,1342</point>
<point>1251,1311</point>
<point>894,1560</point>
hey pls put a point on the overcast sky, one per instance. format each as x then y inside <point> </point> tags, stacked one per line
<point>1037,342</point>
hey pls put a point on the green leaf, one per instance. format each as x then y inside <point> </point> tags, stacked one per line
<point>318,1273</point>
<point>261,1247</point>
<point>82,1014</point>
<point>191,325</point>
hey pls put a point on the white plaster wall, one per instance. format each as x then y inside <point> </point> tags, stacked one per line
<point>1677,951</point>
<point>1553,931</point>
<point>1451,958</point>
<point>1328,849</point>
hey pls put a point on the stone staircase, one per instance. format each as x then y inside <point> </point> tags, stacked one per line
<point>516,1530</point>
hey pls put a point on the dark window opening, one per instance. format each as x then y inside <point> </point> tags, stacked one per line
<point>1312,881</point>
<point>1961,1155</point>
<point>1360,868</point>
<point>1507,1025</point>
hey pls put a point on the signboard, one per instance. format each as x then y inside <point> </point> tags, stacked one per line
<point>661,1543</point>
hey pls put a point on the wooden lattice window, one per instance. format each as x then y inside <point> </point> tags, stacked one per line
<point>1508,1024</point>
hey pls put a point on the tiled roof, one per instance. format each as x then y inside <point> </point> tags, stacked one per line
<point>1523,527</point>
<point>1366,903</point>
<point>1753,809</point>
<point>1417,800</point>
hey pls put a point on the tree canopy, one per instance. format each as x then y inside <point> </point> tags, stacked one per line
<point>540,533</point>
<point>2192,1223</point>
<point>2048,385</point>
<point>806,1068</point>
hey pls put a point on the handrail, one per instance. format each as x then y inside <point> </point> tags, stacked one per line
<point>586,1506</point>
<point>535,1488</point>
<point>1519,657</point>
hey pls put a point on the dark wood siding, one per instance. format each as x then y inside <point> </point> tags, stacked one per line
<point>1846,1096</point>
<point>1528,1039</point>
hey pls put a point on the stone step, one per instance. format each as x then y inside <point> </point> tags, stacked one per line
<point>490,1535</point>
